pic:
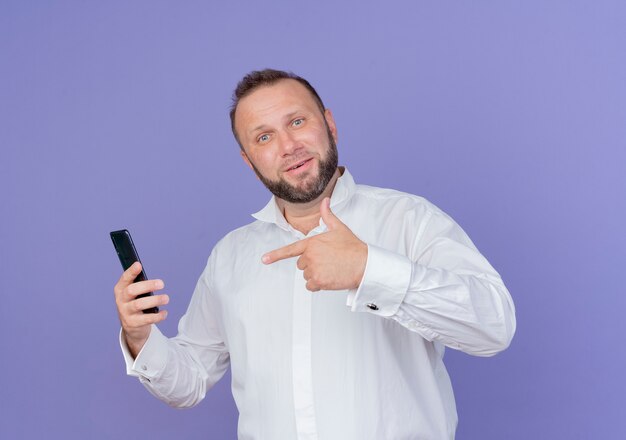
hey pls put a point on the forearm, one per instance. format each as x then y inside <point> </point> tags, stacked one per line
<point>469,310</point>
<point>173,370</point>
<point>472,313</point>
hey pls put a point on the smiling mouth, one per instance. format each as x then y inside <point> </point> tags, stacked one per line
<point>298,165</point>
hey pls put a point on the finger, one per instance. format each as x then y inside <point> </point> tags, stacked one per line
<point>129,309</point>
<point>312,286</point>
<point>144,287</point>
<point>150,318</point>
<point>301,263</point>
<point>330,219</point>
<point>155,318</point>
<point>131,314</point>
<point>130,274</point>
<point>289,251</point>
<point>127,278</point>
<point>148,302</point>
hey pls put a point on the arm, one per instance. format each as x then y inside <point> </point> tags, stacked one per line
<point>180,370</point>
<point>446,290</point>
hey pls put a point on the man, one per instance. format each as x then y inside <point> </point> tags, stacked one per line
<point>334,306</point>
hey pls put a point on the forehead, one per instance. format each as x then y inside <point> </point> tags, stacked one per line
<point>284,96</point>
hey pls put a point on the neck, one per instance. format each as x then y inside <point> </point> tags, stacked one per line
<point>304,217</point>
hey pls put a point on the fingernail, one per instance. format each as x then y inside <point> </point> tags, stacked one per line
<point>265,258</point>
<point>159,284</point>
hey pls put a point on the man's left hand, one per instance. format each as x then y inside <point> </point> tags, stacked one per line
<point>333,260</point>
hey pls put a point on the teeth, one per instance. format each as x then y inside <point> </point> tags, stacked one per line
<point>297,166</point>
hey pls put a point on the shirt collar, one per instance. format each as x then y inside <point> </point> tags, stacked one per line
<point>344,188</point>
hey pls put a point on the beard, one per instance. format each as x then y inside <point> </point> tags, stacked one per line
<point>312,189</point>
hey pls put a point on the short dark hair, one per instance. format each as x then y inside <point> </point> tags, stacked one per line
<point>265,77</point>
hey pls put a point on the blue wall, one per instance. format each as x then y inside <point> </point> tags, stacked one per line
<point>510,116</point>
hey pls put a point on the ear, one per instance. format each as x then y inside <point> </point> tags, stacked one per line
<point>244,156</point>
<point>328,115</point>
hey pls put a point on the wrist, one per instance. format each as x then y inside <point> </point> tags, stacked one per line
<point>135,342</point>
<point>362,264</point>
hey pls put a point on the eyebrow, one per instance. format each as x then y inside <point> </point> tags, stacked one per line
<point>259,128</point>
<point>264,126</point>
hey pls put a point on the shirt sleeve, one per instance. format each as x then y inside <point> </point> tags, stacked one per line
<point>180,370</point>
<point>445,290</point>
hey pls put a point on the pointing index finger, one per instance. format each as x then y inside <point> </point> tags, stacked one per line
<point>289,251</point>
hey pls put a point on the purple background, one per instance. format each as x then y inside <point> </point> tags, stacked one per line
<point>510,116</point>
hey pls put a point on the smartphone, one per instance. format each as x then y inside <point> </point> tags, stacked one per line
<point>127,252</point>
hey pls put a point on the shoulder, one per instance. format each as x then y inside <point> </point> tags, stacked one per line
<point>238,250</point>
<point>247,242</point>
<point>401,218</point>
<point>391,200</point>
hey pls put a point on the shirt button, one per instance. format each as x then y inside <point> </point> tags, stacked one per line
<point>144,368</point>
<point>372,306</point>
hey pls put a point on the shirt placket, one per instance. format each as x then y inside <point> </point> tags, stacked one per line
<point>303,395</point>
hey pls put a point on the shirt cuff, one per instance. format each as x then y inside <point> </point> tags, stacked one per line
<point>384,284</point>
<point>151,360</point>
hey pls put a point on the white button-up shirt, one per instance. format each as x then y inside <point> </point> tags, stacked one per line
<point>363,364</point>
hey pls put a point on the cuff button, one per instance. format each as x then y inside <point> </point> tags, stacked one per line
<point>372,306</point>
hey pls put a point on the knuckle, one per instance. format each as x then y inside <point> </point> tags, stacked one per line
<point>313,249</point>
<point>129,290</point>
<point>161,316</point>
<point>127,311</point>
<point>126,323</point>
<point>148,319</point>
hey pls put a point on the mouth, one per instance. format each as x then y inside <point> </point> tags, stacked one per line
<point>298,164</point>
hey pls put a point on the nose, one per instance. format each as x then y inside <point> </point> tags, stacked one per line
<point>287,143</point>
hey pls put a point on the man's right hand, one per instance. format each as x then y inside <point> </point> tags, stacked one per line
<point>135,323</point>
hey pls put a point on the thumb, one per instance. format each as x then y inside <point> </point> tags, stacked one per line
<point>331,221</point>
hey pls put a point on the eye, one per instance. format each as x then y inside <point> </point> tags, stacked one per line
<point>298,122</point>
<point>263,138</point>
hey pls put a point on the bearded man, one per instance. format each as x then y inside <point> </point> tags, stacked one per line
<point>334,307</point>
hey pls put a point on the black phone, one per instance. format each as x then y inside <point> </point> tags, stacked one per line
<point>127,252</point>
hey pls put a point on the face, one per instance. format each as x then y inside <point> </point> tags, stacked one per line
<point>287,140</point>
